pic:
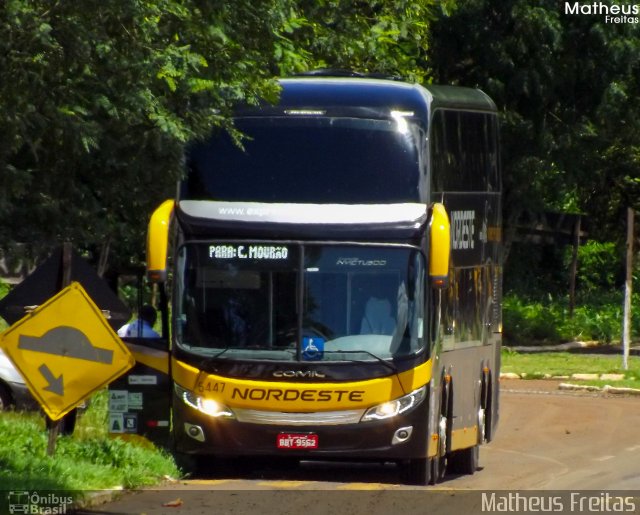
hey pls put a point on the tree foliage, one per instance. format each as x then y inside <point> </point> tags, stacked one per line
<point>378,36</point>
<point>568,87</point>
<point>99,98</point>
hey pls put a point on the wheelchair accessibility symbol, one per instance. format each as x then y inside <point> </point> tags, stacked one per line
<point>312,348</point>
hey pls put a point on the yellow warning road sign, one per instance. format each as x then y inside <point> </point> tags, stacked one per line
<point>66,350</point>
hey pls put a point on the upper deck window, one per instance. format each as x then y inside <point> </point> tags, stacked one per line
<point>464,151</point>
<point>310,159</point>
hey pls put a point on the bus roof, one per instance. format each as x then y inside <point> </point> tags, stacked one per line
<point>458,97</point>
<point>378,94</point>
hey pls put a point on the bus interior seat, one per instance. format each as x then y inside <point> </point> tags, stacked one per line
<point>377,317</point>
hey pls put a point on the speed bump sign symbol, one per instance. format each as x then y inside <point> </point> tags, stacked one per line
<point>66,350</point>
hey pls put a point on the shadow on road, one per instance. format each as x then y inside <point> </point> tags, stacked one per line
<point>292,469</point>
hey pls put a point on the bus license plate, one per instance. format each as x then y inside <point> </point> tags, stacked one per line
<point>297,441</point>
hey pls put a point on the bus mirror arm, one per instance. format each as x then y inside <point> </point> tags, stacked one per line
<point>439,246</point>
<point>158,242</point>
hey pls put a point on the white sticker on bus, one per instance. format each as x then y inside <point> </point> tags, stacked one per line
<point>462,228</point>
<point>144,380</point>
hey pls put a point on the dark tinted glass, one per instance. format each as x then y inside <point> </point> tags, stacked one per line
<point>239,300</point>
<point>464,151</point>
<point>309,160</point>
<point>360,299</point>
<point>239,297</point>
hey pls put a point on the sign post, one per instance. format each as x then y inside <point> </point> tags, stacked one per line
<point>626,324</point>
<point>54,425</point>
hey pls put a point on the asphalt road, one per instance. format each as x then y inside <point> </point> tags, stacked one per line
<point>575,451</point>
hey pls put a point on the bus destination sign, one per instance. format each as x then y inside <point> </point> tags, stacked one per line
<point>243,251</point>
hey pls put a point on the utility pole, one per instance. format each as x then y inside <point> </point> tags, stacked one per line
<point>626,324</point>
<point>65,280</point>
<point>574,266</point>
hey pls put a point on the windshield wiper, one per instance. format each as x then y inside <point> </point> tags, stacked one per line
<point>386,363</point>
<point>218,354</point>
<point>211,360</point>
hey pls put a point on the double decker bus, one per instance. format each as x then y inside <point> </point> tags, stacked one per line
<point>334,282</point>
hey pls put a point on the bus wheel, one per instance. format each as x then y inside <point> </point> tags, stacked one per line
<point>439,462</point>
<point>482,425</point>
<point>189,465</point>
<point>417,471</point>
<point>488,407</point>
<point>465,461</point>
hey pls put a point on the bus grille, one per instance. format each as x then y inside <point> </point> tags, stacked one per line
<point>323,418</point>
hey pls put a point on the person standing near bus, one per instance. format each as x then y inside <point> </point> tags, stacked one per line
<point>143,327</point>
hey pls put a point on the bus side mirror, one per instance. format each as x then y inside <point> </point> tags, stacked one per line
<point>439,247</point>
<point>158,242</point>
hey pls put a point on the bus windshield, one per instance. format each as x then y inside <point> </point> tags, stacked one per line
<point>310,160</point>
<point>239,301</point>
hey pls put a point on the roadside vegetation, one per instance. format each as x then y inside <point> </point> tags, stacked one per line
<point>90,459</point>
<point>541,321</point>
<point>536,307</point>
<point>539,365</point>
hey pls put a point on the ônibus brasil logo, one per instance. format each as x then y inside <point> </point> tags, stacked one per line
<point>50,503</point>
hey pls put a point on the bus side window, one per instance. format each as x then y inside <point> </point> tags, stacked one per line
<point>494,172</point>
<point>464,154</point>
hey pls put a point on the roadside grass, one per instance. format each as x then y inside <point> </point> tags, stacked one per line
<point>540,364</point>
<point>90,459</point>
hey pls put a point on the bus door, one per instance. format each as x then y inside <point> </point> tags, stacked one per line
<point>140,400</point>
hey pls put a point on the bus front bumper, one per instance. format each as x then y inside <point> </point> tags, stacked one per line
<point>401,437</point>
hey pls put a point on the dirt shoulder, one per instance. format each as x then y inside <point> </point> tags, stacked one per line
<point>559,387</point>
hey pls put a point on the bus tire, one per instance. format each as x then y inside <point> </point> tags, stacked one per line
<point>488,411</point>
<point>417,471</point>
<point>439,462</point>
<point>465,461</point>
<point>189,465</point>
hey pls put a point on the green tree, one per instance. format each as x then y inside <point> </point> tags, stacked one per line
<point>568,88</point>
<point>379,36</point>
<point>99,98</point>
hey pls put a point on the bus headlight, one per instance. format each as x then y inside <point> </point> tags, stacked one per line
<point>395,407</point>
<point>209,407</point>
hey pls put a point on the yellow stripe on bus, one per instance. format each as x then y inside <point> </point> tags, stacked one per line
<point>156,359</point>
<point>464,438</point>
<point>460,439</point>
<point>433,446</point>
<point>299,397</point>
